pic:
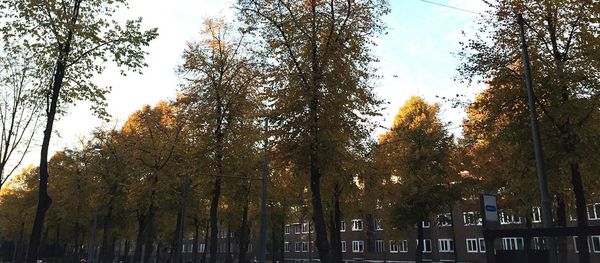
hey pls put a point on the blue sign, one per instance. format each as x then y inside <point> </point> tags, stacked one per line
<point>490,208</point>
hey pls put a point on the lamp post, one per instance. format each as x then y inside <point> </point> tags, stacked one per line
<point>263,204</point>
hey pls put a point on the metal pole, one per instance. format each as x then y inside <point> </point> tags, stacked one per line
<point>537,145</point>
<point>309,243</point>
<point>263,205</point>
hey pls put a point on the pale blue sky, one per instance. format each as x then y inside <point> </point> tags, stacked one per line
<point>421,37</point>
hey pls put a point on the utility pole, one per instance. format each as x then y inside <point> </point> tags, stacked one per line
<point>537,145</point>
<point>263,205</point>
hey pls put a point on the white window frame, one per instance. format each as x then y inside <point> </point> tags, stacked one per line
<point>425,224</point>
<point>536,214</point>
<point>304,228</point>
<point>378,226</point>
<point>472,218</point>
<point>575,238</point>
<point>356,223</point>
<point>342,226</point>
<point>297,229</point>
<point>481,245</point>
<point>358,246</point>
<point>286,246</point>
<point>445,245</point>
<point>297,247</point>
<point>512,243</point>
<point>393,247</point>
<point>595,243</point>
<point>446,222</point>
<point>593,211</point>
<point>426,245</point>
<point>304,246</point>
<point>472,245</point>
<point>403,247</point>
<point>538,243</point>
<point>287,229</point>
<point>379,246</point>
<point>507,219</point>
<point>343,244</point>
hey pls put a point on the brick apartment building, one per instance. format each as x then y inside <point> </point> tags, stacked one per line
<point>457,237</point>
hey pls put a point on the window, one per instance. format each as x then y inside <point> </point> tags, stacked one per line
<point>305,228</point>
<point>393,246</point>
<point>343,226</point>
<point>472,245</point>
<point>358,246</point>
<point>378,226</point>
<point>304,246</point>
<point>297,228</point>
<point>446,245</point>
<point>538,243</point>
<point>357,225</point>
<point>506,219</point>
<point>426,245</point>
<point>343,246</point>
<point>404,246</point>
<point>379,246</point>
<point>286,246</point>
<point>287,229</point>
<point>297,247</point>
<point>512,243</point>
<point>536,215</point>
<point>425,224</point>
<point>444,219</point>
<point>593,211</point>
<point>472,218</point>
<point>595,244</point>
<point>481,245</point>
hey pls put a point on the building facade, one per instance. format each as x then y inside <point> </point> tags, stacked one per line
<point>455,236</point>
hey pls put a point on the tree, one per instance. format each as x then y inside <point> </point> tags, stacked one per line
<point>222,84</point>
<point>563,39</point>
<point>69,41</point>
<point>19,112</point>
<point>415,155</point>
<point>153,137</point>
<point>319,56</point>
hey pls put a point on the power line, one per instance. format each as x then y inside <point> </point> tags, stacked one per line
<point>452,7</point>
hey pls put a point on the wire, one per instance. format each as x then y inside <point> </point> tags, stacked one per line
<point>452,7</point>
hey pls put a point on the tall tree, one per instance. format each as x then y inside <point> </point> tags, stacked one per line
<point>222,85</point>
<point>321,82</point>
<point>69,41</point>
<point>19,112</point>
<point>563,38</point>
<point>416,158</point>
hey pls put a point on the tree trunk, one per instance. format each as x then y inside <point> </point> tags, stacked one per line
<point>582,220</point>
<point>176,244</point>
<point>561,220</point>
<point>206,229</point>
<point>126,251</point>
<point>104,253</point>
<point>19,245</point>
<point>420,243</point>
<point>149,244</point>
<point>44,200</point>
<point>137,254</point>
<point>229,258</point>
<point>315,169</point>
<point>336,238</point>
<point>214,229</point>
<point>196,230</point>
<point>244,229</point>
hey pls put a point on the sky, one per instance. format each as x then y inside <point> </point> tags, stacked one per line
<point>416,58</point>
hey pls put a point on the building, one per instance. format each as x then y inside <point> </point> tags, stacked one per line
<point>455,236</point>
